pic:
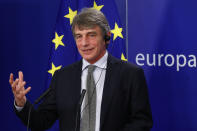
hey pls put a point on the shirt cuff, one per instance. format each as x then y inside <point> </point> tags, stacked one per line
<point>18,108</point>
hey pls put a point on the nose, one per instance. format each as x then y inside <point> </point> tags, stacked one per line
<point>84,41</point>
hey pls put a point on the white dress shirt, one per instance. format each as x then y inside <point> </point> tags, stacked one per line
<point>99,78</point>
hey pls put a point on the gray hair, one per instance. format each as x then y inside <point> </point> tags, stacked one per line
<point>89,18</point>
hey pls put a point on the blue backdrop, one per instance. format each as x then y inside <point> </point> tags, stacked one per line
<point>162,37</point>
<point>163,40</point>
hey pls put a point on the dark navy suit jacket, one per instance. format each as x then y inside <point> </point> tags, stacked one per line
<point>125,105</point>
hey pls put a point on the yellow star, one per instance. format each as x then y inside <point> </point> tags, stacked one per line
<point>97,7</point>
<point>117,31</point>
<point>58,40</point>
<point>123,58</point>
<point>53,69</point>
<point>71,15</point>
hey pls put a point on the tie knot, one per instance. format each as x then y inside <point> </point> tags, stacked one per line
<point>91,68</point>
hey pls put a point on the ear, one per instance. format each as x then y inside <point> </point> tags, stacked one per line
<point>108,37</point>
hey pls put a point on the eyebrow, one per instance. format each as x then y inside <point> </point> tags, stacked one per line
<point>90,32</point>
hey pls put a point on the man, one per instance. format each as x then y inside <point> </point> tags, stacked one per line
<point>116,99</point>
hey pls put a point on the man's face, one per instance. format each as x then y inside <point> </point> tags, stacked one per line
<point>90,43</point>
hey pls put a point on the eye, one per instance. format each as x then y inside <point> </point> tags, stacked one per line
<point>77,37</point>
<point>92,35</point>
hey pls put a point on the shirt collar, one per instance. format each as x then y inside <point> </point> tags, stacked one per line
<point>101,63</point>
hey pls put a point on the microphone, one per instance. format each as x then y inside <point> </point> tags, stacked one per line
<point>36,102</point>
<point>81,98</point>
<point>79,106</point>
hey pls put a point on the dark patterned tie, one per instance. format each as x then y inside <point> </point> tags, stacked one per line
<point>89,114</point>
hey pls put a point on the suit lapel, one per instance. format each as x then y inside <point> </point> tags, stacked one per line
<point>108,89</point>
<point>77,79</point>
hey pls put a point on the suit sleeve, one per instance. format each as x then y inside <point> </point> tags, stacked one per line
<point>140,116</point>
<point>45,115</point>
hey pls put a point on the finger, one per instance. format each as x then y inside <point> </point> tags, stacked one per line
<point>26,90</point>
<point>20,75</point>
<point>23,84</point>
<point>21,94</point>
<point>11,80</point>
<point>14,84</point>
<point>19,89</point>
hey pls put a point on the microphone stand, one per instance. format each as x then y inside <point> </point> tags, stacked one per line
<point>78,108</point>
<point>36,102</point>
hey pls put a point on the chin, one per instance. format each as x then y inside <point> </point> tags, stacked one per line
<point>89,59</point>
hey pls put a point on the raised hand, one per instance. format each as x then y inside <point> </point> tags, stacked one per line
<point>18,89</point>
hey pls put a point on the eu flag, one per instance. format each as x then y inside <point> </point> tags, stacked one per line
<point>63,47</point>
